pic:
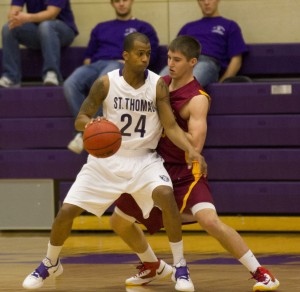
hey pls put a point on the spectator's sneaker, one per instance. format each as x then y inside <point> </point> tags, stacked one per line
<point>36,279</point>
<point>7,83</point>
<point>181,276</point>
<point>76,145</point>
<point>265,281</point>
<point>149,272</point>
<point>51,79</point>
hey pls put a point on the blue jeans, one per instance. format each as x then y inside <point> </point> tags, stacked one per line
<point>48,36</point>
<point>206,71</point>
<point>78,84</point>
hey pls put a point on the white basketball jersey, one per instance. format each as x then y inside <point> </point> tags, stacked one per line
<point>134,111</point>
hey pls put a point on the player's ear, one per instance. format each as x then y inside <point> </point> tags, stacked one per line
<point>194,61</point>
<point>125,55</point>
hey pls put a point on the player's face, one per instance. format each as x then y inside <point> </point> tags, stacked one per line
<point>122,7</point>
<point>209,8</point>
<point>179,66</point>
<point>139,56</point>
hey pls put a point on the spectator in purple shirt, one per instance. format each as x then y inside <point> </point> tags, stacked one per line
<point>104,54</point>
<point>221,41</point>
<point>46,26</point>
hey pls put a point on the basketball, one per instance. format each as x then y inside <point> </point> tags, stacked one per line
<point>102,138</point>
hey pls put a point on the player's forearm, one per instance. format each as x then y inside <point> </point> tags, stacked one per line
<point>81,121</point>
<point>179,138</point>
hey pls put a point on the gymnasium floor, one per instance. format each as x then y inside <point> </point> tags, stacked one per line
<point>100,261</point>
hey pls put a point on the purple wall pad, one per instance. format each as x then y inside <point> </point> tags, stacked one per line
<point>56,164</point>
<point>253,164</point>
<point>224,164</point>
<point>253,98</point>
<point>36,133</point>
<point>253,130</point>
<point>33,102</point>
<point>256,197</point>
<point>271,59</point>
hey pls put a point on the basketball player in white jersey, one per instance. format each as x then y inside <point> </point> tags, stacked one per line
<point>137,101</point>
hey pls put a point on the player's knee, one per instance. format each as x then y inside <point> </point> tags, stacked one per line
<point>119,224</point>
<point>211,224</point>
<point>68,212</point>
<point>163,197</point>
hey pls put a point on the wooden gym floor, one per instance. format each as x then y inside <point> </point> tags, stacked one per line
<point>100,261</point>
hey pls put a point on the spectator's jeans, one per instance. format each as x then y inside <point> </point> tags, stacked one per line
<point>48,36</point>
<point>206,71</point>
<point>77,85</point>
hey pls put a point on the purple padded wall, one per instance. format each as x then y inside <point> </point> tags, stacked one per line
<point>36,133</point>
<point>272,59</point>
<point>33,102</point>
<point>254,98</point>
<point>55,164</point>
<point>253,130</point>
<point>256,197</point>
<point>261,164</point>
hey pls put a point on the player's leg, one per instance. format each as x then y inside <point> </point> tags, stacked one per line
<point>151,268</point>
<point>163,197</point>
<point>59,233</point>
<point>231,240</point>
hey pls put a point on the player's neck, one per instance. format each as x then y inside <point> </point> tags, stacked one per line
<point>180,82</point>
<point>134,80</point>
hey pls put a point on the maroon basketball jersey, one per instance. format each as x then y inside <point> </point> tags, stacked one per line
<point>178,98</point>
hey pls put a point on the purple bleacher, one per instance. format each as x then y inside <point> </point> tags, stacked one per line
<point>33,102</point>
<point>253,130</point>
<point>253,98</point>
<point>243,164</point>
<point>224,164</point>
<point>252,147</point>
<point>238,130</point>
<point>37,163</point>
<point>256,197</point>
<point>273,59</point>
<point>36,133</point>
<point>71,58</point>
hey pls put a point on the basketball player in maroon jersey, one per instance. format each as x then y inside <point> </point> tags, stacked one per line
<point>190,105</point>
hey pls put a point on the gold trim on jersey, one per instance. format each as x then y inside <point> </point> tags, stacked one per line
<point>196,171</point>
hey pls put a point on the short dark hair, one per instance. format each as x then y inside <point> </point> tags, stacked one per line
<point>186,45</point>
<point>135,36</point>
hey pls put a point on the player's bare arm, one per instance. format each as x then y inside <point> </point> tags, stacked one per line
<point>91,104</point>
<point>195,112</point>
<point>172,130</point>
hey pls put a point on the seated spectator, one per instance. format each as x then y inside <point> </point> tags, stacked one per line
<point>104,54</point>
<point>222,44</point>
<point>46,26</point>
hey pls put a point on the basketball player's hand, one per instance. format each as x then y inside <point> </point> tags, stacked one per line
<point>94,120</point>
<point>193,155</point>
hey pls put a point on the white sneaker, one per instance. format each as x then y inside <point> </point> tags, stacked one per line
<point>149,272</point>
<point>36,279</point>
<point>265,281</point>
<point>181,276</point>
<point>7,83</point>
<point>51,79</point>
<point>76,145</point>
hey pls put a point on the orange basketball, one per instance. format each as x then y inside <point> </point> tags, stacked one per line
<point>102,138</point>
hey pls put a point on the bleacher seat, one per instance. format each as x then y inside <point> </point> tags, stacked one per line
<point>252,146</point>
